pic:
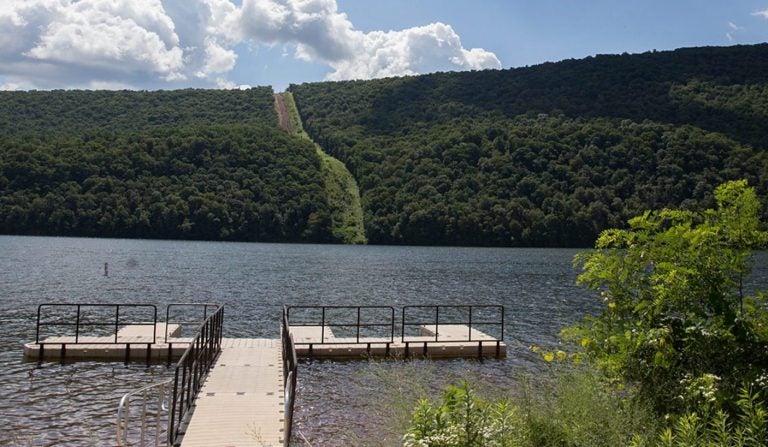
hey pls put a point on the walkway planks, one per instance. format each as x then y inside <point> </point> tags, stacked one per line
<point>241,403</point>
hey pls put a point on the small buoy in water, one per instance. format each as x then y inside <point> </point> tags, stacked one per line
<point>106,269</point>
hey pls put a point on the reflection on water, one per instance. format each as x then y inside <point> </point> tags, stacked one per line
<point>75,404</point>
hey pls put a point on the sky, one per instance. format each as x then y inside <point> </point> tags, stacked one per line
<point>171,44</point>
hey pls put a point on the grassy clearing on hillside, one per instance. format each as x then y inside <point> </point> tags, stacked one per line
<point>340,187</point>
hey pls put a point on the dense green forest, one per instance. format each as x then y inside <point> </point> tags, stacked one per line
<point>191,164</point>
<point>547,155</point>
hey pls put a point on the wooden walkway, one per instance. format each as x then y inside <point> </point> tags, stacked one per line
<point>242,402</point>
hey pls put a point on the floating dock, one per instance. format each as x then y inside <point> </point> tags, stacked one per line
<point>135,343</point>
<point>239,392</point>
<point>132,342</point>
<point>448,341</point>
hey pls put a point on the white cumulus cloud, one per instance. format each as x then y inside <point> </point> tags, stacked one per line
<point>130,35</point>
<point>435,47</point>
<point>316,27</point>
<point>763,14</point>
<point>322,33</point>
<point>167,43</point>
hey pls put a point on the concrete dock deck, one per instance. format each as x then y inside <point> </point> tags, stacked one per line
<point>242,401</point>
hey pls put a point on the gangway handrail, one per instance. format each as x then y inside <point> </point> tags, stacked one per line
<point>169,321</point>
<point>290,371</point>
<point>192,369</point>
<point>114,321</point>
<point>160,391</point>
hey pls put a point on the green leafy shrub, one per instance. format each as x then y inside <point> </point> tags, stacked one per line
<point>715,428</point>
<point>566,409</point>
<point>677,320</point>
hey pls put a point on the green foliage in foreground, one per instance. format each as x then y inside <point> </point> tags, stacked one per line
<point>573,408</point>
<point>578,409</point>
<point>681,351</point>
<point>676,319</point>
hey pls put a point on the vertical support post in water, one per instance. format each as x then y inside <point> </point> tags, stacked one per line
<point>106,269</point>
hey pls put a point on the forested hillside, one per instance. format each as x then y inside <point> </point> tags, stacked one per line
<point>191,164</point>
<point>546,155</point>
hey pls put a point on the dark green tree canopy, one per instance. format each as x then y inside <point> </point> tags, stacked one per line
<point>190,164</point>
<point>548,155</point>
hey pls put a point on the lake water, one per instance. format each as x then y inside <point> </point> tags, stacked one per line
<point>75,404</point>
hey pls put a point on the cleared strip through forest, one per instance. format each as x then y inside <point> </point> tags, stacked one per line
<point>340,186</point>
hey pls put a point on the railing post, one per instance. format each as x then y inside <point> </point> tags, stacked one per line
<point>402,328</point>
<point>470,323</point>
<point>77,325</point>
<point>501,336</point>
<point>117,320</point>
<point>37,329</point>
<point>437,322</point>
<point>154,325</point>
<point>171,425</point>
<point>392,328</point>
<point>358,325</point>
<point>322,326</point>
<point>167,319</point>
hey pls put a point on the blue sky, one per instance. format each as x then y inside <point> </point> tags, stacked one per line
<point>151,44</point>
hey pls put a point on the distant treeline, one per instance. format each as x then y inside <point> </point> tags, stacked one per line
<point>190,164</point>
<point>548,155</point>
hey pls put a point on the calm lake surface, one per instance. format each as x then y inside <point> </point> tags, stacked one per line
<point>75,404</point>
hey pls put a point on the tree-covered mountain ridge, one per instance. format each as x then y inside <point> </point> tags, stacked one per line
<point>186,164</point>
<point>547,155</point>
